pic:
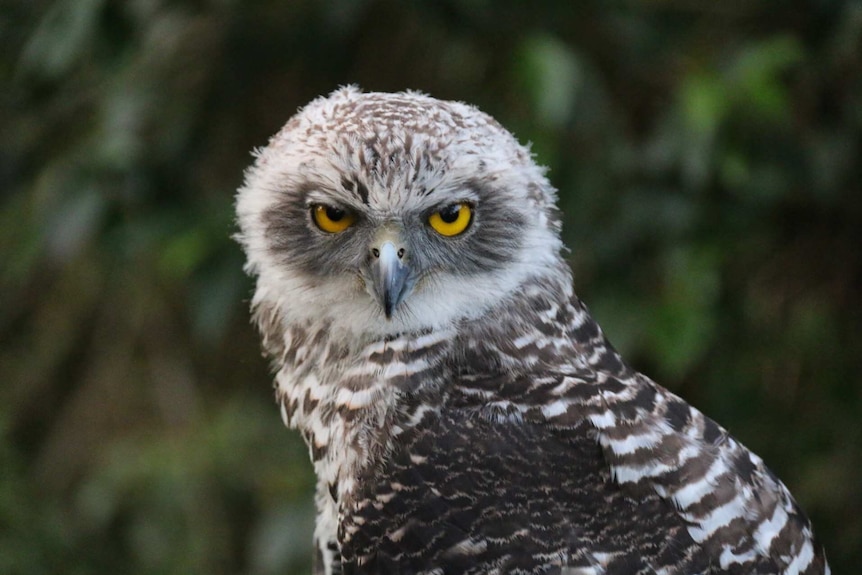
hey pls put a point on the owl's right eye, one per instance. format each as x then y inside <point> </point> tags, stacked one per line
<point>331,219</point>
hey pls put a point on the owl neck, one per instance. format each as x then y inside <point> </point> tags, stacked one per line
<point>544,328</point>
<point>351,402</point>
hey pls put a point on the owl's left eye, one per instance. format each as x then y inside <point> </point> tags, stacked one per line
<point>451,220</point>
<point>331,219</point>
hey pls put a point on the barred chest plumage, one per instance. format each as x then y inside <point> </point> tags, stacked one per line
<point>375,415</point>
<point>351,399</point>
<point>349,403</point>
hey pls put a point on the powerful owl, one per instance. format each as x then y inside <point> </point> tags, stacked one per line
<point>463,411</point>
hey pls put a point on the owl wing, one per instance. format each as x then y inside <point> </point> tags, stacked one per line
<point>574,474</point>
<point>741,518</point>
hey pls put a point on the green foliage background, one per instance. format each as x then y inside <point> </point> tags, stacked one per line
<point>708,156</point>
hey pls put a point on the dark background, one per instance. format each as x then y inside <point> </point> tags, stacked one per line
<point>708,157</point>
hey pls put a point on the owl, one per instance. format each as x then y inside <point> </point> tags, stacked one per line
<point>463,411</point>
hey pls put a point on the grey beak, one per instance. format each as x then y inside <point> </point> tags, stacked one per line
<point>390,276</point>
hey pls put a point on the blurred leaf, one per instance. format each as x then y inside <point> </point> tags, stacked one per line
<point>705,103</point>
<point>758,77</point>
<point>684,323</point>
<point>74,224</point>
<point>551,73</point>
<point>185,252</point>
<point>62,38</point>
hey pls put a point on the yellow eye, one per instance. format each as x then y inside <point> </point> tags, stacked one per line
<point>451,220</point>
<point>331,219</point>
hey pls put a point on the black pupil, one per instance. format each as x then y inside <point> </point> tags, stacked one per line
<point>334,214</point>
<point>450,213</point>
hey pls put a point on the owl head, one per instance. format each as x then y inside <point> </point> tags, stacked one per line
<point>378,214</point>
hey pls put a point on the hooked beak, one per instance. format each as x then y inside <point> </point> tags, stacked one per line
<point>390,276</point>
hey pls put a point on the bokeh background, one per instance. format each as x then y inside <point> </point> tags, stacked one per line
<point>709,161</point>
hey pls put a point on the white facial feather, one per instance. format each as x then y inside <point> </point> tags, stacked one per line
<point>319,145</point>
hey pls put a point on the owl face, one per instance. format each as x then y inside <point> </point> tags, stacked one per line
<point>390,213</point>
